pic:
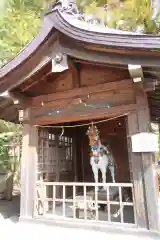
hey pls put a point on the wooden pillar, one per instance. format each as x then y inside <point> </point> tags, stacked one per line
<point>136,170</point>
<point>28,171</point>
<point>146,200</point>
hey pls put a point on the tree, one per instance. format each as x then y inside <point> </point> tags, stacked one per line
<point>19,25</point>
<point>7,126</point>
<point>10,140</point>
<point>131,15</point>
<point>10,155</point>
<point>138,14</point>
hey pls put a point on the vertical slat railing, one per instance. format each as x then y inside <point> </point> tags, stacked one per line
<point>42,156</point>
<point>121,204</point>
<point>54,197</point>
<point>44,200</point>
<point>108,205</point>
<point>40,202</point>
<point>96,202</point>
<point>134,209</point>
<point>64,203</point>
<point>35,210</point>
<point>74,201</point>
<point>85,204</point>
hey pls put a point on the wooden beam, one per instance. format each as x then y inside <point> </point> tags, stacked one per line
<point>83,91</point>
<point>108,65</point>
<point>155,97</point>
<point>151,198</point>
<point>79,51</point>
<point>11,115</point>
<point>5,102</point>
<point>75,74</point>
<point>148,86</point>
<point>150,99</point>
<point>155,108</point>
<point>7,111</point>
<point>19,99</point>
<point>90,115</point>
<point>38,77</point>
<point>113,98</point>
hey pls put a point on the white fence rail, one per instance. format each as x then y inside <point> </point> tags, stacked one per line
<point>114,202</point>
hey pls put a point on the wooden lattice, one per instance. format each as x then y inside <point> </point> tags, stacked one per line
<point>65,146</point>
<point>54,155</point>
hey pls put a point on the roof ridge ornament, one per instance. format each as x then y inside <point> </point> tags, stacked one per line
<point>69,7</point>
<point>156,8</point>
<point>66,6</point>
<point>55,5</point>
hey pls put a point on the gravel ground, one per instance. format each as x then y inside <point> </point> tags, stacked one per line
<point>25,231</point>
<point>11,229</point>
<point>10,209</point>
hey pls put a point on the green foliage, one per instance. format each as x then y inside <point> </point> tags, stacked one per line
<point>4,156</point>
<point>132,15</point>
<point>7,126</point>
<point>19,25</point>
<point>9,143</point>
<point>138,14</point>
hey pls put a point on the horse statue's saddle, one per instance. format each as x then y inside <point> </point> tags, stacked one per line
<point>102,151</point>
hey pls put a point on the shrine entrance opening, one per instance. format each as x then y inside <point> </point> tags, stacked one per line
<point>65,186</point>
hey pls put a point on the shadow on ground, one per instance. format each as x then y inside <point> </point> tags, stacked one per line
<point>10,209</point>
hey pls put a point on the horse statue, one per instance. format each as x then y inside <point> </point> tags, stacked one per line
<point>101,158</point>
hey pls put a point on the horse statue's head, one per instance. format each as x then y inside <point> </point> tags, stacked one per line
<point>93,134</point>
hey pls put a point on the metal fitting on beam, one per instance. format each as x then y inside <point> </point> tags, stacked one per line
<point>136,72</point>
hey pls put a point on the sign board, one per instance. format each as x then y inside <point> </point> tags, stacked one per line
<point>144,142</point>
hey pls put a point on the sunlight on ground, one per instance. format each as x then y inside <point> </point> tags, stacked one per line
<point>11,220</point>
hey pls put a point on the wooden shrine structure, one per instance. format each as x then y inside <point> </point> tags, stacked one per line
<point>76,72</point>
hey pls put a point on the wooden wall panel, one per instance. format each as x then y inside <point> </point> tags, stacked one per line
<point>62,83</point>
<point>89,75</point>
<point>55,82</point>
<point>92,75</point>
